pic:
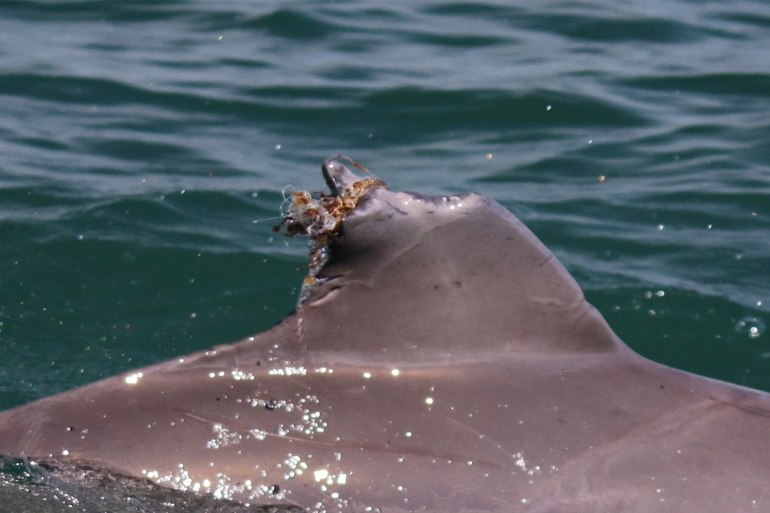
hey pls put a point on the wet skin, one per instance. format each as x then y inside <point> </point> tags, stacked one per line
<point>445,361</point>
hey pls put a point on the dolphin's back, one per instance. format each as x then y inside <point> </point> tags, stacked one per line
<point>444,361</point>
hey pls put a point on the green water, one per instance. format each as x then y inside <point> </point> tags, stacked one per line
<point>144,148</point>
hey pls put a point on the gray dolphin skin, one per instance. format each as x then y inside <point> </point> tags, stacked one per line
<point>444,361</point>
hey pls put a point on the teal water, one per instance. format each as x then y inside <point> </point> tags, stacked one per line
<point>145,145</point>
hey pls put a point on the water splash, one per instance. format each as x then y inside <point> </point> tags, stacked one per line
<point>751,326</point>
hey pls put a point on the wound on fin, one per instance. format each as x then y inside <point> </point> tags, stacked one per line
<point>319,216</point>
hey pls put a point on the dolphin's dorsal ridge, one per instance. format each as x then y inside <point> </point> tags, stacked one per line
<point>465,262</point>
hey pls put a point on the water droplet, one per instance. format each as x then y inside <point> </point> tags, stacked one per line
<point>751,326</point>
<point>271,404</point>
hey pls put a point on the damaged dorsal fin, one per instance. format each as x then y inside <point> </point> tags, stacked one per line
<point>427,275</point>
<point>319,216</point>
<point>338,177</point>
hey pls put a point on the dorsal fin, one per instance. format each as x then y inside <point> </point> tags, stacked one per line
<point>423,276</point>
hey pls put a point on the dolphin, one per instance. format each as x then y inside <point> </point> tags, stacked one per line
<point>442,360</point>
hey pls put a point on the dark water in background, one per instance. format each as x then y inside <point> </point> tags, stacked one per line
<point>140,143</point>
